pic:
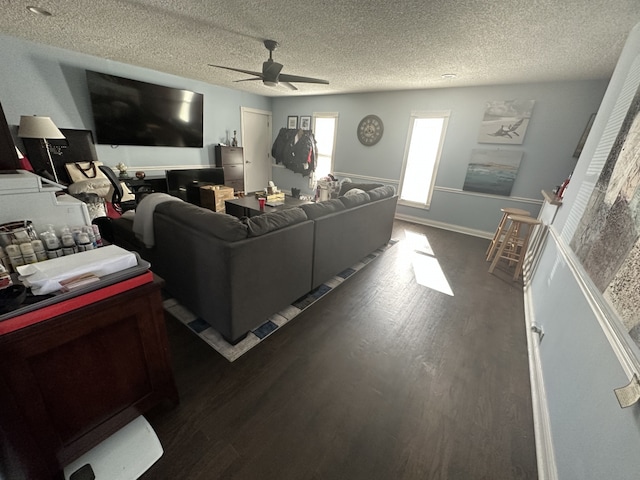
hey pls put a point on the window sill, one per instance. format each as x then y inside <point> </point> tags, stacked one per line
<point>421,206</point>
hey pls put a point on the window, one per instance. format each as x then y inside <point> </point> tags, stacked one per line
<point>325,126</point>
<point>422,155</point>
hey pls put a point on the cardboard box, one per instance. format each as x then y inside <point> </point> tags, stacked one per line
<point>276,197</point>
<point>213,197</point>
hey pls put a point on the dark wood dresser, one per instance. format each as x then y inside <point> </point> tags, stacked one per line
<point>70,381</point>
<point>231,159</point>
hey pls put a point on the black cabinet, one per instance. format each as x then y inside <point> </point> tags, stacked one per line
<point>231,159</point>
<point>146,185</point>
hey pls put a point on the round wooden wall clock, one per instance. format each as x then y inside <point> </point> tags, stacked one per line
<point>370,130</point>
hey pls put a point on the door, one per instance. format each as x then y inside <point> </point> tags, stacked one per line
<point>256,141</point>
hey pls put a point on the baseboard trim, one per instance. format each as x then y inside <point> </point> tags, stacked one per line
<point>541,421</point>
<point>445,226</point>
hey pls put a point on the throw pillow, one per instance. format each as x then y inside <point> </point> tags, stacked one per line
<point>346,186</point>
<point>268,222</point>
<point>355,200</point>
<point>99,186</point>
<point>353,191</point>
<point>320,209</point>
<point>382,192</point>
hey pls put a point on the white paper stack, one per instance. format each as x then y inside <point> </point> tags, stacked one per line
<point>45,277</point>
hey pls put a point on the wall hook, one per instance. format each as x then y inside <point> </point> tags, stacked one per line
<point>629,394</point>
<point>536,329</point>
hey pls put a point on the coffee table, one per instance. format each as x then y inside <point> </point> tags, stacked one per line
<point>248,206</point>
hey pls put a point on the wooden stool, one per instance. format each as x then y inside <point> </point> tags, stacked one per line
<point>501,226</point>
<point>514,247</point>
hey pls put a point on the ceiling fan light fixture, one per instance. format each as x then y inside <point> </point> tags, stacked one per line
<point>449,76</point>
<point>39,11</point>
<point>271,75</point>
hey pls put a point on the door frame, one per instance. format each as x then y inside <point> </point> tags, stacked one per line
<point>268,114</point>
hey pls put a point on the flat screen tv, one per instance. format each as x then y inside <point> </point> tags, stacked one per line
<point>130,112</point>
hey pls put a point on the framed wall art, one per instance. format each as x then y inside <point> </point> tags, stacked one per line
<point>292,122</point>
<point>505,121</point>
<point>305,123</point>
<point>492,171</point>
<point>584,136</point>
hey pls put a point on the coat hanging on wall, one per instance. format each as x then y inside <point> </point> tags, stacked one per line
<point>296,150</point>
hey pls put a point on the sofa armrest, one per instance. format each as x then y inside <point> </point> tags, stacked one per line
<point>344,238</point>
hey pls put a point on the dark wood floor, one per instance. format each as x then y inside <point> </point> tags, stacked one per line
<point>382,379</point>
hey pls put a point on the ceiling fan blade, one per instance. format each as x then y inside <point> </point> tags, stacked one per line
<point>295,78</point>
<point>248,72</point>
<point>271,70</point>
<point>271,75</point>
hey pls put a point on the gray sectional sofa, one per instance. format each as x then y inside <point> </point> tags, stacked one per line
<point>234,273</point>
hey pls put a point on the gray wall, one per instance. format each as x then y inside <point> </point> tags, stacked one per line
<point>592,437</point>
<point>559,117</point>
<point>40,80</point>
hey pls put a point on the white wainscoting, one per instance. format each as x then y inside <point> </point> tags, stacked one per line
<point>541,422</point>
<point>620,343</point>
<point>354,177</point>
<point>444,226</point>
<point>486,195</point>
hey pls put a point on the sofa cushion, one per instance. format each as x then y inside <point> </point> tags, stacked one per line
<point>268,222</point>
<point>320,209</point>
<point>346,186</point>
<point>220,225</point>
<point>382,192</point>
<point>99,186</point>
<point>355,200</point>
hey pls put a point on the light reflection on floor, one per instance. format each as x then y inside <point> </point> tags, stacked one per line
<point>426,267</point>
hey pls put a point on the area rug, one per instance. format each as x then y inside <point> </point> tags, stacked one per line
<point>272,323</point>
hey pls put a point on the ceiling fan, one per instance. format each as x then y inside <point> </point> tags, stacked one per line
<point>271,75</point>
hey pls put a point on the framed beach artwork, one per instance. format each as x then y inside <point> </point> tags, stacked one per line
<point>505,121</point>
<point>492,171</point>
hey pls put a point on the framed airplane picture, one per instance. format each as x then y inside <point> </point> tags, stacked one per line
<point>505,121</point>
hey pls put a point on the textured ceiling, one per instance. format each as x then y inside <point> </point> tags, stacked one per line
<point>358,46</point>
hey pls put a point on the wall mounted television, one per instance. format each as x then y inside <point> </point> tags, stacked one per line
<point>131,112</point>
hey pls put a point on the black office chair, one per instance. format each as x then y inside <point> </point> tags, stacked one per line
<point>118,193</point>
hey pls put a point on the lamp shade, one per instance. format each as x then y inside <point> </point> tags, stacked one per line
<point>38,127</point>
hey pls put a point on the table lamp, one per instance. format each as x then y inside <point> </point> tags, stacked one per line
<point>42,128</point>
